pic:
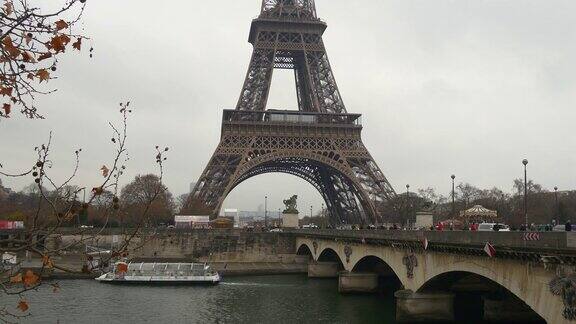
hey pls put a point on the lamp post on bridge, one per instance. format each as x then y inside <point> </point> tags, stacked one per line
<point>407,204</point>
<point>557,209</point>
<point>525,162</point>
<point>266,211</point>
<point>453,206</point>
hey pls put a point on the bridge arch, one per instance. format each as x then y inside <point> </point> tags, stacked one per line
<point>304,249</point>
<point>479,296</point>
<point>330,255</point>
<point>388,280</point>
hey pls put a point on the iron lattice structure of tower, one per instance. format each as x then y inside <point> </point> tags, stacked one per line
<point>320,143</point>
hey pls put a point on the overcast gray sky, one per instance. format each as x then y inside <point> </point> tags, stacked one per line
<point>469,87</point>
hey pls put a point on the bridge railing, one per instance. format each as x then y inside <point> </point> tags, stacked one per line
<point>544,240</point>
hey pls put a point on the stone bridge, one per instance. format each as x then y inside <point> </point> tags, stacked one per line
<point>453,279</point>
<point>525,281</point>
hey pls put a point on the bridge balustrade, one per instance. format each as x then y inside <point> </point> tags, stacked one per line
<point>551,241</point>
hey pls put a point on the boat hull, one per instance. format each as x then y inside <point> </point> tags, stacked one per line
<point>160,280</point>
<point>159,283</point>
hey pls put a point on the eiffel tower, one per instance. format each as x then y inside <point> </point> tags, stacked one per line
<point>320,143</point>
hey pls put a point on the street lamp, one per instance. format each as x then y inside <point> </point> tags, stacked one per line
<point>265,211</point>
<point>453,206</point>
<point>408,203</point>
<point>310,212</point>
<point>525,162</point>
<point>557,212</point>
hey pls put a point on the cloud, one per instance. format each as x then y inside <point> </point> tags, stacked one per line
<point>468,87</point>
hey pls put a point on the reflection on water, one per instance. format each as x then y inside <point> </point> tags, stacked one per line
<point>263,299</point>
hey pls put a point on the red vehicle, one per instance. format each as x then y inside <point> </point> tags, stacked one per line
<point>449,225</point>
<point>8,225</point>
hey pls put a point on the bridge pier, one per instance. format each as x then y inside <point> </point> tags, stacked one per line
<point>353,282</point>
<point>323,269</point>
<point>423,307</point>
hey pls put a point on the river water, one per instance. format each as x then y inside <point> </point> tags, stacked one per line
<point>260,299</point>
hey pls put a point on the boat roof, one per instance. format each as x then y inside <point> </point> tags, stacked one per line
<point>166,266</point>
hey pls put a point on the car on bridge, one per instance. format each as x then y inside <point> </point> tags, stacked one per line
<point>562,228</point>
<point>493,227</point>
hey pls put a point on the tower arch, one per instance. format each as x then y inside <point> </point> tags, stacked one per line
<point>344,201</point>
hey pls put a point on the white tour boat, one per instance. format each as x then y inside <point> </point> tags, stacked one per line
<point>161,273</point>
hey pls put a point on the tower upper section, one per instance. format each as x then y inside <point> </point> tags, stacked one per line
<point>293,16</point>
<point>289,9</point>
<point>288,35</point>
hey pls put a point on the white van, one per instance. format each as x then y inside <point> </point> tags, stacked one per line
<point>489,227</point>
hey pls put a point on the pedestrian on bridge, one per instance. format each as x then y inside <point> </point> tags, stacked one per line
<point>568,226</point>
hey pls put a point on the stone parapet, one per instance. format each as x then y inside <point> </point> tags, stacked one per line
<point>550,241</point>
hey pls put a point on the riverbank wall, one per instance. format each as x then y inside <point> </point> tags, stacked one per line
<point>200,245</point>
<point>231,252</point>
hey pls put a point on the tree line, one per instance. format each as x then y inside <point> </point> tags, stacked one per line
<point>134,197</point>
<point>543,205</point>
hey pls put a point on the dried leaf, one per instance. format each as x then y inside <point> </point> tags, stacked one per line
<point>43,75</point>
<point>30,76</point>
<point>23,305</point>
<point>9,47</point>
<point>6,91</point>
<point>7,109</point>
<point>61,24</point>
<point>105,171</point>
<point>30,279</point>
<point>8,8</point>
<point>13,51</point>
<point>28,38</point>
<point>77,44</point>
<point>44,56</point>
<point>16,279</point>
<point>7,41</point>
<point>47,262</point>
<point>97,191</point>
<point>27,57</point>
<point>58,43</point>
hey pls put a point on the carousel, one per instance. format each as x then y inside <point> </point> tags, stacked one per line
<point>478,214</point>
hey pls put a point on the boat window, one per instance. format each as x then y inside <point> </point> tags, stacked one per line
<point>134,266</point>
